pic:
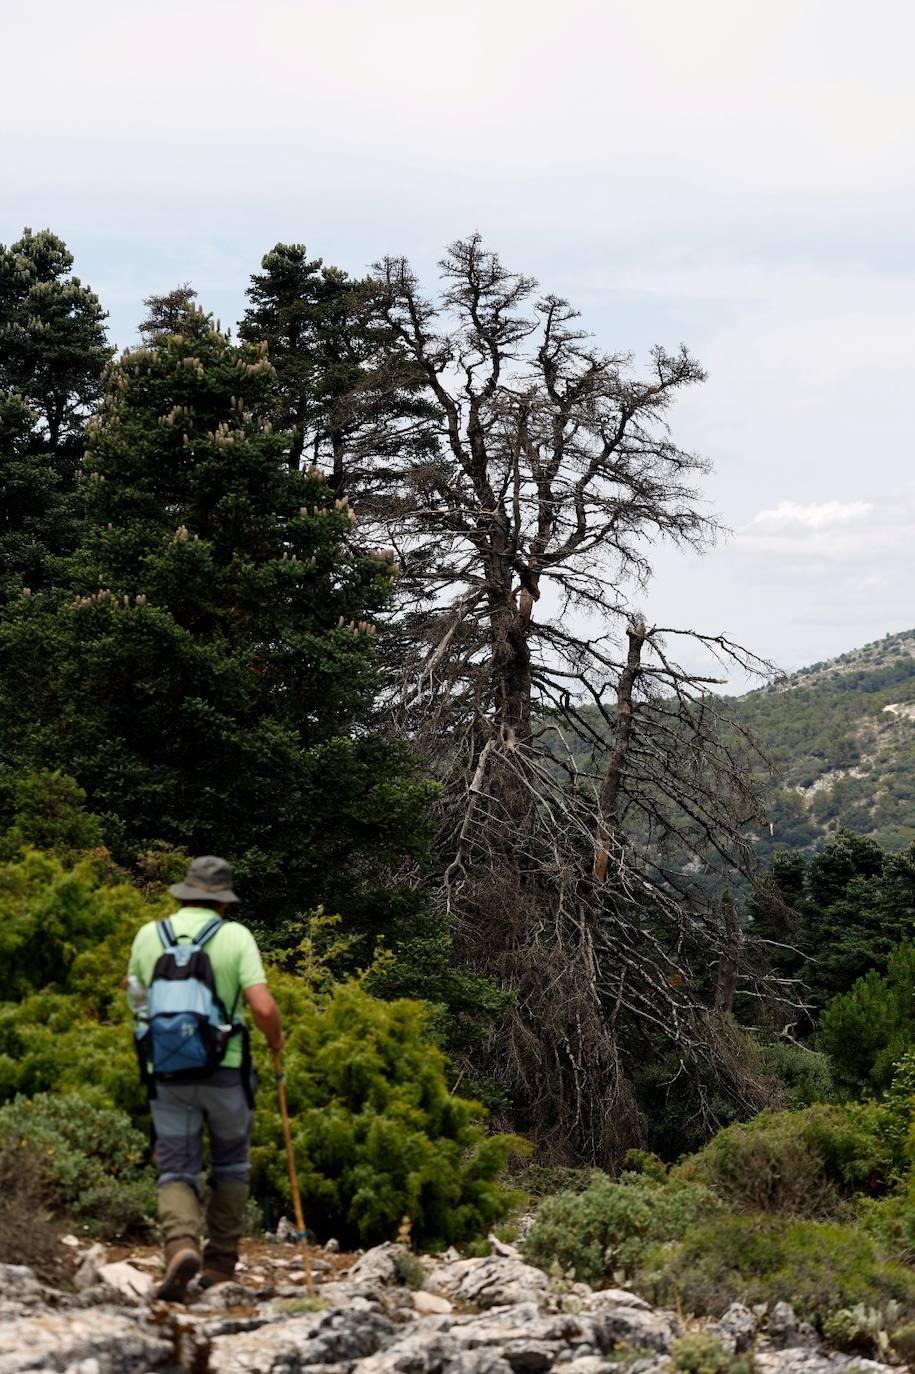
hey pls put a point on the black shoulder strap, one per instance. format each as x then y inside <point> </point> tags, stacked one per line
<point>166,933</point>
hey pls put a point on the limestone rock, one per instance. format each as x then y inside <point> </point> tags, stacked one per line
<point>803,1360</point>
<point>378,1265</point>
<point>616,1297</point>
<point>490,1282</point>
<point>736,1327</point>
<point>18,1283</point>
<point>435,1353</point>
<point>87,1275</point>
<point>641,1329</point>
<point>127,1281</point>
<point>430,1304</point>
<point>117,1343</point>
<point>335,1337</point>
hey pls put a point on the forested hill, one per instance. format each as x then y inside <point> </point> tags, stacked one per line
<point>843,736</point>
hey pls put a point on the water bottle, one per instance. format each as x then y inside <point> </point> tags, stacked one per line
<point>139,999</point>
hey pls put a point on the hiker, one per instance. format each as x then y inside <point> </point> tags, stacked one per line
<point>186,978</point>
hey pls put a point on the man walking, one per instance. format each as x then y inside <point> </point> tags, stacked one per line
<point>186,978</point>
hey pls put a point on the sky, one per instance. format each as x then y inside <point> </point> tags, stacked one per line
<point>732,175</point>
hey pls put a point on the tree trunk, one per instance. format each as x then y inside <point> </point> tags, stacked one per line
<point>608,820</point>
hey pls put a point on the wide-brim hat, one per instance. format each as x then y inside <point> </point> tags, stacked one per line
<point>207,879</point>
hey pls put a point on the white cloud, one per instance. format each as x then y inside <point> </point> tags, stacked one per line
<point>816,516</point>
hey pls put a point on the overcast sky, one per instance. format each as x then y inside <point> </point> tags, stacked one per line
<point>734,175</point>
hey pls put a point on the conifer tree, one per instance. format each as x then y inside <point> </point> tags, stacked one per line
<point>53,351</point>
<point>345,389</point>
<point>207,677</point>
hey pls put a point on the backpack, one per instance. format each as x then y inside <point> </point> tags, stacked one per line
<point>187,1027</point>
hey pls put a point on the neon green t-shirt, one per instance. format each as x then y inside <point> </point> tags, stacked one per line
<point>234,959</point>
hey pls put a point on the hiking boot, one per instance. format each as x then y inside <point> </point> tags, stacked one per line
<point>216,1269</point>
<point>182,1262</point>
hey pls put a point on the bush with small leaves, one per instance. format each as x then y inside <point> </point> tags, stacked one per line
<point>608,1227</point>
<point>801,1163</point>
<point>93,1164</point>
<point>377,1133</point>
<point>699,1352</point>
<point>819,1267</point>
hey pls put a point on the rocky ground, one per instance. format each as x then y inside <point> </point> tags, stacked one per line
<point>385,1312</point>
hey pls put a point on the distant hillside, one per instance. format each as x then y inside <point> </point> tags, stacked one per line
<point>843,736</point>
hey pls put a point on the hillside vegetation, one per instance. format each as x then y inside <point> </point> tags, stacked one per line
<point>842,735</point>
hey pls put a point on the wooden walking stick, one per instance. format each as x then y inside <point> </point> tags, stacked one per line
<point>290,1160</point>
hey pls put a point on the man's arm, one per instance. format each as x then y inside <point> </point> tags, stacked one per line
<point>266,1014</point>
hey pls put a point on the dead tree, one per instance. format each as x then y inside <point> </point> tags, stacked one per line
<point>591,796</point>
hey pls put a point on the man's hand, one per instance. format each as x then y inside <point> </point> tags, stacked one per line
<point>266,1014</point>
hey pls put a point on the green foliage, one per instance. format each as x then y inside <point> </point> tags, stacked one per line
<point>819,1267</point>
<point>49,814</point>
<point>827,725</point>
<point>802,1163</point>
<point>805,1074</point>
<point>836,916</point>
<point>699,1352</point>
<point>609,1227</point>
<point>94,1164</point>
<point>378,1136</point>
<point>342,376</point>
<point>867,1030</point>
<point>52,354</point>
<point>227,598</point>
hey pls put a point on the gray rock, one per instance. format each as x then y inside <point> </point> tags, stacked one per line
<point>736,1327</point>
<point>783,1328</point>
<point>584,1364</point>
<point>434,1352</point>
<point>118,1343</point>
<point>126,1281</point>
<point>336,1337</point>
<point>87,1275</point>
<point>20,1291</point>
<point>802,1360</point>
<point>490,1282</point>
<point>644,1330</point>
<point>527,1356</point>
<point>431,1304</point>
<point>615,1297</point>
<point>223,1296</point>
<point>19,1283</point>
<point>378,1265</point>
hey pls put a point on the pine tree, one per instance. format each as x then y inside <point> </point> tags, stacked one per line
<point>53,352</point>
<point>208,675</point>
<point>344,390</point>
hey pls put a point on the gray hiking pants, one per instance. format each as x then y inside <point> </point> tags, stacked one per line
<point>179,1112</point>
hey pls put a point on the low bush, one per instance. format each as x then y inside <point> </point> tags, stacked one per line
<point>699,1352</point>
<point>27,1233</point>
<point>819,1267</point>
<point>92,1165</point>
<point>608,1227</point>
<point>800,1163</point>
<point>377,1133</point>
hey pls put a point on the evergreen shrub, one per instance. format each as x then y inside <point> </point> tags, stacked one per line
<point>699,1352</point>
<point>93,1164</point>
<point>819,1267</point>
<point>608,1228</point>
<point>801,1163</point>
<point>377,1133</point>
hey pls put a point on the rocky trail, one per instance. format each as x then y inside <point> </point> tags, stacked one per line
<point>384,1312</point>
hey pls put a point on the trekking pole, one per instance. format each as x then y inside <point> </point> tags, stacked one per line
<point>290,1160</point>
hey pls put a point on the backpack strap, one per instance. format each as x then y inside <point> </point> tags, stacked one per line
<point>166,933</point>
<point>209,930</point>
